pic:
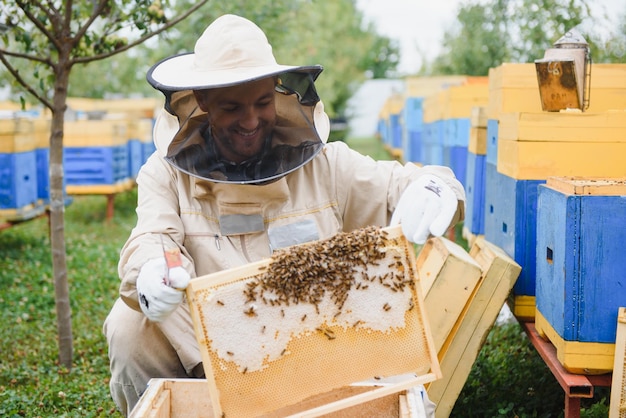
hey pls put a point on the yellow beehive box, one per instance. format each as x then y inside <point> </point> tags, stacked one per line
<point>17,135</point>
<point>534,146</point>
<point>433,106</point>
<point>457,356</point>
<point>513,87</point>
<point>42,128</point>
<point>278,332</point>
<point>142,107</point>
<point>565,126</point>
<point>425,86</point>
<point>577,357</point>
<point>525,160</point>
<point>458,101</point>
<point>478,141</point>
<point>448,275</point>
<point>478,117</point>
<point>95,133</point>
<point>523,307</point>
<point>140,129</point>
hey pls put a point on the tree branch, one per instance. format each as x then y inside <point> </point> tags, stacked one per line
<point>26,56</point>
<point>16,74</point>
<point>84,60</point>
<point>96,12</point>
<point>22,5</point>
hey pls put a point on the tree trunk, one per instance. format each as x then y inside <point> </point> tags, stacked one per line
<point>57,222</point>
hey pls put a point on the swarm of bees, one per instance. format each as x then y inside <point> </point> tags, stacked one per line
<point>304,273</point>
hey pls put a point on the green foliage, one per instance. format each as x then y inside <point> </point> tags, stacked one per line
<point>301,32</point>
<point>509,379</point>
<point>488,33</point>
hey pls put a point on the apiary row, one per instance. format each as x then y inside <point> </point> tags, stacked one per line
<point>547,187</point>
<point>103,151</point>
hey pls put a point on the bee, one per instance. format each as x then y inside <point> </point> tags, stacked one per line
<point>386,307</point>
<point>219,302</point>
<point>250,311</point>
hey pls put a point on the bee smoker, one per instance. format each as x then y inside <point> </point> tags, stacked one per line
<point>564,74</point>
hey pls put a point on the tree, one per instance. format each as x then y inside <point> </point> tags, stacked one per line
<point>491,32</point>
<point>54,36</point>
<point>327,32</point>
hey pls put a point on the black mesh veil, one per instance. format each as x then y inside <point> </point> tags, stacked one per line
<point>294,141</point>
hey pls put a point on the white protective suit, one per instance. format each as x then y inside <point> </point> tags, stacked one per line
<point>218,226</point>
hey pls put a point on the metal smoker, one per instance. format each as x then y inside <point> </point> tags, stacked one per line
<point>564,74</point>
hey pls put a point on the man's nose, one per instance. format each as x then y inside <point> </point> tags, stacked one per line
<point>249,118</point>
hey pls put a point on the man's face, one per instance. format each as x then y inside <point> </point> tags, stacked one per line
<point>241,117</point>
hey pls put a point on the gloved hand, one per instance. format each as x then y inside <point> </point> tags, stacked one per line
<point>158,298</point>
<point>426,208</point>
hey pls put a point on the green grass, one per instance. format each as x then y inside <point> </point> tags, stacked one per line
<point>508,380</point>
<point>32,384</point>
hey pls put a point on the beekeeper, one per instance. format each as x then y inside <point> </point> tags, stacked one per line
<point>242,168</point>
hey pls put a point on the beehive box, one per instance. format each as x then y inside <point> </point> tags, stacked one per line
<point>513,87</point>
<point>311,319</point>
<point>139,134</point>
<point>535,146</point>
<point>448,276</point>
<point>511,224</point>
<point>432,142</point>
<point>475,180</point>
<point>18,167</point>
<point>96,156</point>
<point>178,398</point>
<point>580,268</point>
<point>42,156</point>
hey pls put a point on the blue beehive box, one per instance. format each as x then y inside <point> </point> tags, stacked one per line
<point>492,141</point>
<point>433,143</point>
<point>510,223</point>
<point>102,165</point>
<point>475,194</point>
<point>18,179</point>
<point>581,267</point>
<point>413,116</point>
<point>18,165</point>
<point>455,157</point>
<point>135,156</point>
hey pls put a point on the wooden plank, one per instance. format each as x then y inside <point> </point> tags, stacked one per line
<point>617,406</point>
<point>526,160</point>
<point>448,275</point>
<point>609,126</point>
<point>161,407</point>
<point>588,186</point>
<point>461,349</point>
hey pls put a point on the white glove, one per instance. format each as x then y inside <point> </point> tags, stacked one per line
<point>158,298</point>
<point>426,207</point>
